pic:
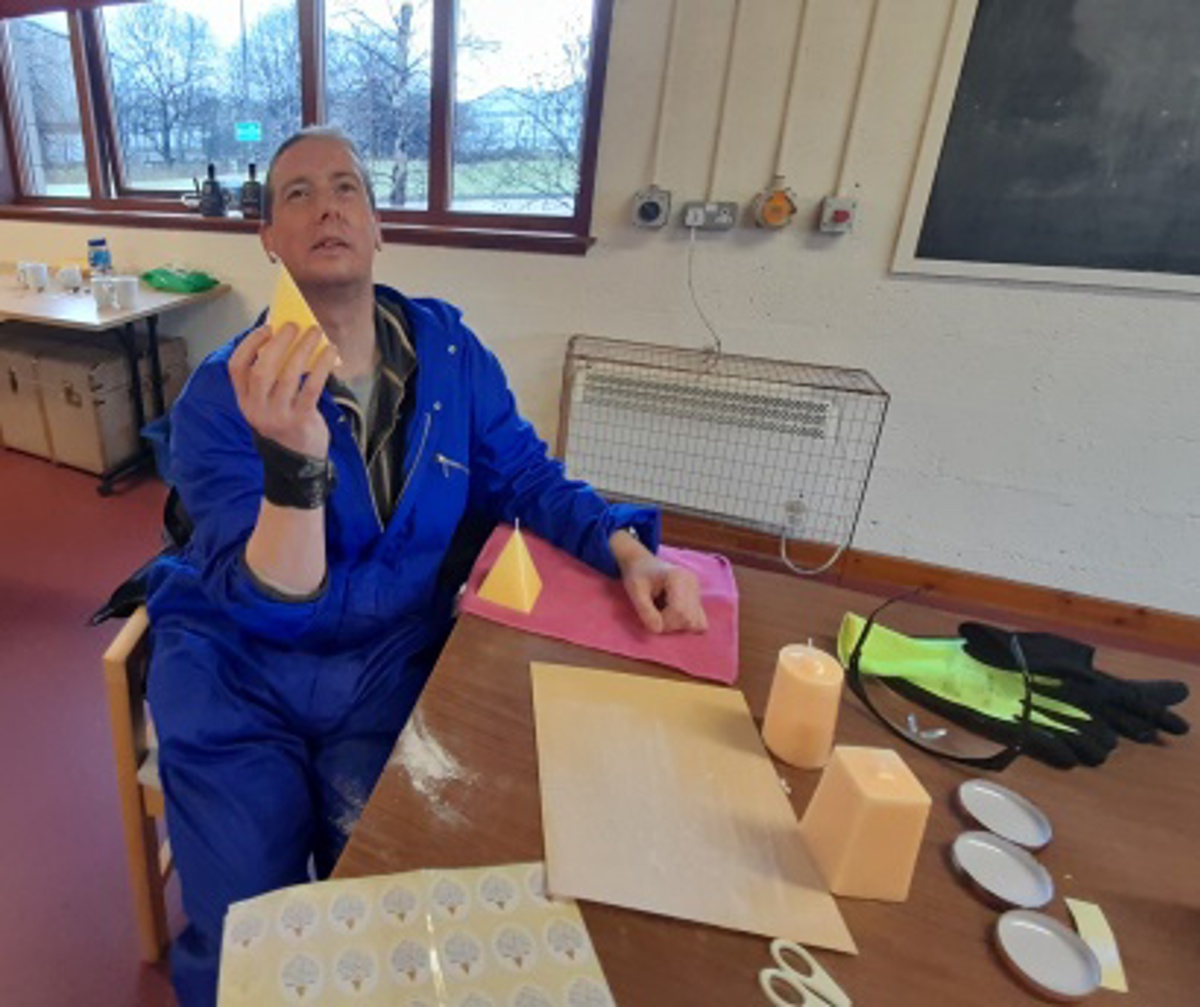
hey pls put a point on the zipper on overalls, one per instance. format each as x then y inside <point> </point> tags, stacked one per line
<point>417,457</point>
<point>358,453</point>
<point>449,463</point>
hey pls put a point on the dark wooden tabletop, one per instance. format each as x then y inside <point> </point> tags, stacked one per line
<point>462,791</point>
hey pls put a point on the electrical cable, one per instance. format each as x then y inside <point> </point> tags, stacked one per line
<point>856,102</point>
<point>717,141</point>
<point>716,348</point>
<point>663,90</point>
<point>801,571</point>
<point>785,123</point>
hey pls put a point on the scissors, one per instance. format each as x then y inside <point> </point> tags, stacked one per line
<point>814,986</point>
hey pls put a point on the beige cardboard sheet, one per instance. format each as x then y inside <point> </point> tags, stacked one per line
<point>659,796</point>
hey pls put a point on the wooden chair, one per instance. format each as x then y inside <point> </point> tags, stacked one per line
<point>125,664</point>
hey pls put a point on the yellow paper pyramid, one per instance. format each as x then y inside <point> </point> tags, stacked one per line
<point>513,580</point>
<point>289,305</point>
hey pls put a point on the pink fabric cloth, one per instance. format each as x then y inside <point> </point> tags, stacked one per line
<point>582,606</point>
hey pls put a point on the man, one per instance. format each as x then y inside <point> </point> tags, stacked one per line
<point>336,514</point>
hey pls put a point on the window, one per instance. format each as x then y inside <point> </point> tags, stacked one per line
<point>478,119</point>
<point>520,97</point>
<point>45,113</point>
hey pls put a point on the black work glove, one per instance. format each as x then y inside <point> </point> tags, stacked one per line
<point>939,675</point>
<point>1051,736</point>
<point>1063,668</point>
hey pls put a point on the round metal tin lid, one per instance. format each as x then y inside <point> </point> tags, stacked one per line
<point>1002,870</point>
<point>1007,814</point>
<point>1048,956</point>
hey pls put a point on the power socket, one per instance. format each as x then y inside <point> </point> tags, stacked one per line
<point>710,216</point>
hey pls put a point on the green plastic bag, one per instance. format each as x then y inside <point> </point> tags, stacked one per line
<point>178,281</point>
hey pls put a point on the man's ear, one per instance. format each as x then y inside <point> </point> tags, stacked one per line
<point>264,236</point>
<point>378,232</point>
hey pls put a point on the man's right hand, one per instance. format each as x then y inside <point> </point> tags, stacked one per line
<point>274,396</point>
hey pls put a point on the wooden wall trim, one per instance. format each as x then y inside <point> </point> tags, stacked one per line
<point>1099,621</point>
<point>29,8</point>
<point>61,211</point>
<point>87,111</point>
<point>8,182</point>
<point>441,105</point>
<point>311,15</point>
<point>602,17</point>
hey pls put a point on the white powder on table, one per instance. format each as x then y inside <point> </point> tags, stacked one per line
<point>429,766</point>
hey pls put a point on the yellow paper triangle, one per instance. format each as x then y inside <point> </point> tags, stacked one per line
<point>513,580</point>
<point>1093,927</point>
<point>289,305</point>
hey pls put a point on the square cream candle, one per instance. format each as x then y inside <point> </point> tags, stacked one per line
<point>865,823</point>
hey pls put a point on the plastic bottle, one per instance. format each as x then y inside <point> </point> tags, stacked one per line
<point>99,257</point>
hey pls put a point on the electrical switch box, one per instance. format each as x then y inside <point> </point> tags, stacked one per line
<point>838,215</point>
<point>651,207</point>
<point>774,208</point>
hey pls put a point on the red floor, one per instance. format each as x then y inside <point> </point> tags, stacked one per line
<point>66,921</point>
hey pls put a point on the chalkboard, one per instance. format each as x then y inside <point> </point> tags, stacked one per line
<point>1071,145</point>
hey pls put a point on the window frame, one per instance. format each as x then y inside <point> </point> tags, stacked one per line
<point>113,201</point>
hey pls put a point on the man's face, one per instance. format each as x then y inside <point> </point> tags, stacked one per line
<point>322,227</point>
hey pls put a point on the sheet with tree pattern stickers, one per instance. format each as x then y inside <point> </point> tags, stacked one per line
<point>475,937</point>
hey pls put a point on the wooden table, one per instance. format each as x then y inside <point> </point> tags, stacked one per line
<point>1127,835</point>
<point>79,311</point>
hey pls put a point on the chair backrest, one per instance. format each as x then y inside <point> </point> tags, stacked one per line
<point>125,666</point>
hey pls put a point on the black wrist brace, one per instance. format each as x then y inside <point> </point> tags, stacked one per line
<point>292,479</point>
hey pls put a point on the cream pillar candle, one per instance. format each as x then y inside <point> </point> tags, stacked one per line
<point>802,709</point>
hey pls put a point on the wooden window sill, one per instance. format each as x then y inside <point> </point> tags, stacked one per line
<point>552,242</point>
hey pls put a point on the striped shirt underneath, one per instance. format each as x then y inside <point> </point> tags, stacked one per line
<point>378,427</point>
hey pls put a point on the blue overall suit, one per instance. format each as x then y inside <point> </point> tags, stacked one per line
<point>275,717</point>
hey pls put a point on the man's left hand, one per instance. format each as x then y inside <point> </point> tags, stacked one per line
<point>666,597</point>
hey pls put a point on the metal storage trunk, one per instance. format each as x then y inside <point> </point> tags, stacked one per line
<point>23,424</point>
<point>85,392</point>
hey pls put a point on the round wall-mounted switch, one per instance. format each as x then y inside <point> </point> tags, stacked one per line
<point>774,208</point>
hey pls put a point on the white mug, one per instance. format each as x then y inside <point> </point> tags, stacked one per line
<point>125,291</point>
<point>103,291</point>
<point>70,278</point>
<point>34,275</point>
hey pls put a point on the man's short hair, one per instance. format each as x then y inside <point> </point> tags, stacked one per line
<point>315,133</point>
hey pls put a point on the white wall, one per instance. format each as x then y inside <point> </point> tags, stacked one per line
<point>1044,434</point>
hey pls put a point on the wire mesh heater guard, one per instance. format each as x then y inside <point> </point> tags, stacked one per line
<point>769,445</point>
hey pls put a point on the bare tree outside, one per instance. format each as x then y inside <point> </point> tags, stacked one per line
<point>270,93</point>
<point>518,143</point>
<point>378,79</point>
<point>164,65</point>
<point>193,85</point>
